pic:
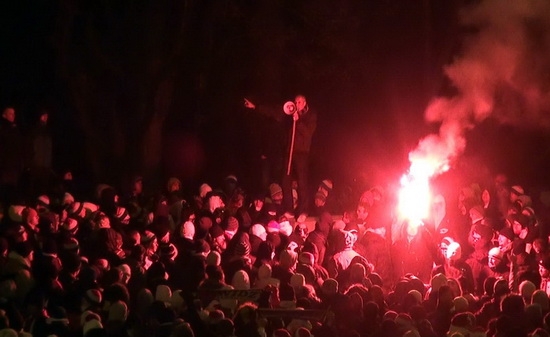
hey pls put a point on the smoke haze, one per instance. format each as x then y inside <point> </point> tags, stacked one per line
<point>502,72</point>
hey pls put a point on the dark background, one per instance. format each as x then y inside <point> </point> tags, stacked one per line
<point>106,69</point>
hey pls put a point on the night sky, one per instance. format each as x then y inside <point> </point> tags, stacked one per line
<point>371,69</point>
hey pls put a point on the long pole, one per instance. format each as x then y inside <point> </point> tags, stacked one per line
<point>291,147</point>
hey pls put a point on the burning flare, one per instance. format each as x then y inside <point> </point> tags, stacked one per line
<point>431,158</point>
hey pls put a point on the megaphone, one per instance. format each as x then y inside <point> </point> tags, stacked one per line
<point>289,108</point>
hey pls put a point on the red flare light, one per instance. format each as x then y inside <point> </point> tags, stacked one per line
<point>415,197</point>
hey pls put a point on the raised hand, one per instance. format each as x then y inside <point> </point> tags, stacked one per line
<point>248,104</point>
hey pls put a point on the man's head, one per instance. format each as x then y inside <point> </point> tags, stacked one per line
<point>301,103</point>
<point>276,193</point>
<point>9,114</point>
<point>480,236</point>
<point>362,212</point>
<point>302,230</point>
<point>505,238</point>
<point>31,218</point>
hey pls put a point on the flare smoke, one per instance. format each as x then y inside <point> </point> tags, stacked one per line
<point>503,73</point>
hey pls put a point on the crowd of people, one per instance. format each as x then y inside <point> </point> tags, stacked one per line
<point>220,262</point>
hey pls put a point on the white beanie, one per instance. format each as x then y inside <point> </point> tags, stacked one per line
<point>68,199</point>
<point>285,228</point>
<point>90,325</point>
<point>241,280</point>
<point>204,189</point>
<point>297,280</point>
<point>7,332</point>
<point>176,300</point>
<point>188,230</point>
<point>118,312</point>
<point>163,293</point>
<point>213,258</point>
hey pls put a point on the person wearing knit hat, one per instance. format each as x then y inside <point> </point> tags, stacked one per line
<point>43,204</point>
<point>273,227</point>
<point>242,246</point>
<point>515,192</point>
<point>90,326</point>
<point>7,332</point>
<point>329,287</point>
<point>404,322</point>
<point>231,227</point>
<point>202,226</point>
<point>71,245</point>
<point>526,290</point>
<point>494,257</point>
<point>150,243</point>
<point>285,228</point>
<point>241,280</point>
<point>57,321</point>
<point>264,277</point>
<point>118,311</point>
<point>438,281</point>
<point>323,191</point>
<point>297,281</point>
<point>281,333</point>
<point>15,213</point>
<point>541,298</point>
<point>480,231</point>
<point>520,225</point>
<point>147,238</point>
<point>213,258</point>
<point>302,332</point>
<point>276,193</point>
<point>219,239</point>
<point>201,248</point>
<point>122,215</point>
<point>70,225</point>
<point>506,238</point>
<point>167,253</point>
<point>163,293</point>
<point>204,189</point>
<point>115,325</point>
<point>460,304</point>
<point>477,213</point>
<point>91,300</point>
<point>416,295</point>
<point>306,258</point>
